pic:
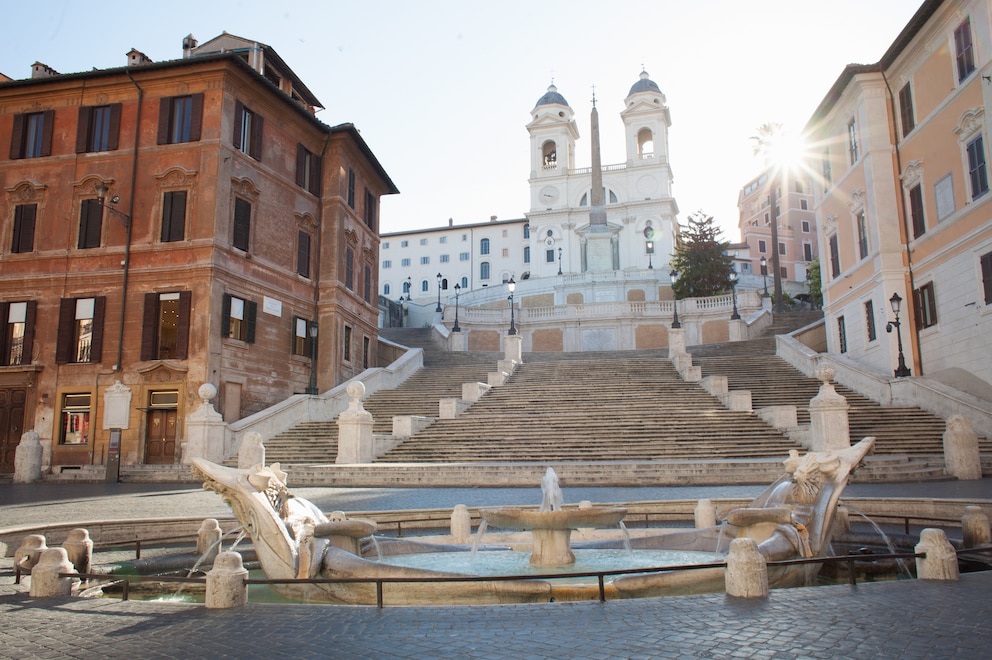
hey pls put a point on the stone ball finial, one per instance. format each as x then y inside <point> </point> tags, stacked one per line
<point>207,392</point>
<point>356,390</point>
<point>825,373</point>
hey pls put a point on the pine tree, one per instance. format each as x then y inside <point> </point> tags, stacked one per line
<point>704,268</point>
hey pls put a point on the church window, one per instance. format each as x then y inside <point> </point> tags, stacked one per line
<point>549,154</point>
<point>645,143</point>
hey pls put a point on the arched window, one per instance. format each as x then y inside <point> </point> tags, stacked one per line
<point>645,143</point>
<point>484,270</point>
<point>608,194</point>
<point>385,289</point>
<point>425,286</point>
<point>549,155</point>
<point>526,231</point>
<point>464,282</point>
<point>484,246</point>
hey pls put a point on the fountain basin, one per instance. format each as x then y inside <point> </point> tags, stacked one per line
<point>552,530</point>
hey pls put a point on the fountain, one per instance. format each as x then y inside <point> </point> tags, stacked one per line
<point>294,539</point>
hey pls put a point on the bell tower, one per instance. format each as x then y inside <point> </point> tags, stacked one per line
<point>552,149</point>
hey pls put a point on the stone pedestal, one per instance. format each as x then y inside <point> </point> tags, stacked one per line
<point>472,392</point>
<point>552,547</point>
<point>975,530</point>
<point>461,524</point>
<point>205,429</point>
<point>961,454</point>
<point>513,348</point>
<point>226,586</point>
<point>676,342</point>
<point>79,549</point>
<point>251,452</point>
<point>450,408</point>
<point>405,426</point>
<point>705,514</point>
<point>941,561</point>
<point>208,539</point>
<point>45,580</point>
<point>737,330</point>
<point>829,426</point>
<point>27,459</point>
<point>355,429</point>
<point>747,570</point>
<point>496,378</point>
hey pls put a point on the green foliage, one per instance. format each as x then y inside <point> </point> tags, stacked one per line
<point>704,269</point>
<point>815,283</point>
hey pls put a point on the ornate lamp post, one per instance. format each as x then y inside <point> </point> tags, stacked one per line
<point>764,274</point>
<point>455,327</point>
<point>650,248</point>
<point>512,286</point>
<point>438,308</point>
<point>312,331</point>
<point>896,302</point>
<point>735,316</point>
<point>559,261</point>
<point>675,305</point>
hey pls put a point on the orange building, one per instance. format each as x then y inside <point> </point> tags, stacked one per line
<point>169,224</point>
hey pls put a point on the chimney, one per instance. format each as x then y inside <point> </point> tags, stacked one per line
<point>451,222</point>
<point>137,58</point>
<point>189,43</point>
<point>492,218</point>
<point>39,70</point>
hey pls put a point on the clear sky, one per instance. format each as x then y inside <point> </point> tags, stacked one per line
<point>442,89</point>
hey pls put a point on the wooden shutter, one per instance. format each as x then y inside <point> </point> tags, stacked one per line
<point>96,348</point>
<point>239,117</point>
<point>17,137</point>
<point>182,324</point>
<point>173,216</point>
<point>225,316</point>
<point>90,221</point>
<point>164,120</point>
<point>149,327</point>
<point>242,223</point>
<point>24,221</point>
<point>196,118</point>
<point>250,309</point>
<point>256,137</point>
<point>115,127</point>
<point>303,254</point>
<point>987,277</point>
<point>67,322</point>
<point>48,124</point>
<point>29,318</point>
<point>83,129</point>
<point>301,164</point>
<point>4,333</point>
<point>316,185</point>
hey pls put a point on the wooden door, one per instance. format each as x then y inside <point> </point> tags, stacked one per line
<point>11,425</point>
<point>160,437</point>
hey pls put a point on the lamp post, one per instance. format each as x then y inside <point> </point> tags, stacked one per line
<point>675,304</point>
<point>101,192</point>
<point>559,261</point>
<point>650,249</point>
<point>764,275</point>
<point>438,308</point>
<point>512,286</point>
<point>735,316</point>
<point>896,302</point>
<point>455,327</point>
<point>312,331</point>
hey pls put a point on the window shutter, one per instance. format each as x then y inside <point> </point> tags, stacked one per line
<point>987,277</point>
<point>173,216</point>
<point>90,221</point>
<point>242,223</point>
<point>301,163</point>
<point>164,120</point>
<point>182,325</point>
<point>316,185</point>
<point>17,137</point>
<point>225,316</point>
<point>46,132</point>
<point>196,118</point>
<point>96,348</point>
<point>115,127</point>
<point>29,318</point>
<point>24,221</point>
<point>250,309</point>
<point>303,254</point>
<point>256,137</point>
<point>83,128</point>
<point>239,117</point>
<point>149,327</point>
<point>67,320</point>
<point>4,348</point>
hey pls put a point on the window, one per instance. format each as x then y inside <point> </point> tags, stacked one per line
<point>445,259</point>
<point>484,246</point>
<point>165,326</point>
<point>925,300</point>
<point>526,231</point>
<point>916,210</point>
<point>303,253</point>
<point>31,136</point>
<point>180,119</point>
<point>404,262</point>
<point>406,287</point>
<point>386,289</point>
<point>464,282</point>
<point>762,246</point>
<point>464,256</point>
<point>90,224</point>
<point>526,254</point>
<point>442,239</point>
<point>351,189</point>
<point>484,270</point>
<point>834,257</point>
<point>371,210</point>
<point>862,234</point>
<point>347,343</point>
<point>549,256</point>
<point>906,109</point>
<point>424,261</point>
<point>247,131</point>
<point>98,128</point>
<point>80,334</point>
<point>978,174</point>
<point>17,341</point>
<point>803,205</point>
<point>781,248</point>
<point>783,272</point>
<point>349,268</point>
<point>506,252</point>
<point>404,243</point>
<point>807,252</point>
<point>307,170</point>
<point>805,226</point>
<point>425,286</point>
<point>75,425</point>
<point>423,241</point>
<point>827,169</point>
<point>385,245</point>
<point>301,337</point>
<point>367,284</point>
<point>242,224</point>
<point>366,345</point>
<point>173,216</point>
<point>768,219</point>
<point>986,264</point>
<point>852,141</point>
<point>24,221</point>
<point>964,53</point>
<point>387,264</point>
<point>870,319</point>
<point>238,319</point>
<point>842,334</point>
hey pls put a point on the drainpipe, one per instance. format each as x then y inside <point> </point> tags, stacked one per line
<point>905,228</point>
<point>130,221</point>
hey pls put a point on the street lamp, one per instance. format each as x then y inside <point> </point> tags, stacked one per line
<point>512,286</point>
<point>675,305</point>
<point>438,308</point>
<point>312,331</point>
<point>896,302</point>
<point>559,261</point>
<point>101,192</point>
<point>733,283</point>
<point>650,248</point>
<point>764,275</point>
<point>455,327</point>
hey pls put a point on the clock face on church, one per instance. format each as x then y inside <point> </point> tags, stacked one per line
<point>549,195</point>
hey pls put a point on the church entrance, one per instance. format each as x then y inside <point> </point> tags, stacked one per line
<point>160,430</point>
<point>11,425</point>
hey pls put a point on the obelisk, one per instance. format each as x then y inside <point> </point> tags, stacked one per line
<point>599,241</point>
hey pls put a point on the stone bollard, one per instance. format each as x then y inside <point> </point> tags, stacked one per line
<point>208,539</point>
<point>45,579</point>
<point>975,528</point>
<point>705,514</point>
<point>28,554</point>
<point>79,548</point>
<point>251,452</point>
<point>941,561</point>
<point>828,415</point>
<point>27,459</point>
<point>961,449</point>
<point>747,570</point>
<point>461,524</point>
<point>226,586</point>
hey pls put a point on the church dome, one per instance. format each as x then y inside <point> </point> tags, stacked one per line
<point>645,84</point>
<point>551,97</point>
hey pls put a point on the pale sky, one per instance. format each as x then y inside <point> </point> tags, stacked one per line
<point>442,89</point>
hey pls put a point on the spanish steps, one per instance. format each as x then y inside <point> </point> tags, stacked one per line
<point>618,409</point>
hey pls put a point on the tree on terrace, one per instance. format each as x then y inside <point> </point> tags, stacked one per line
<point>700,258</point>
